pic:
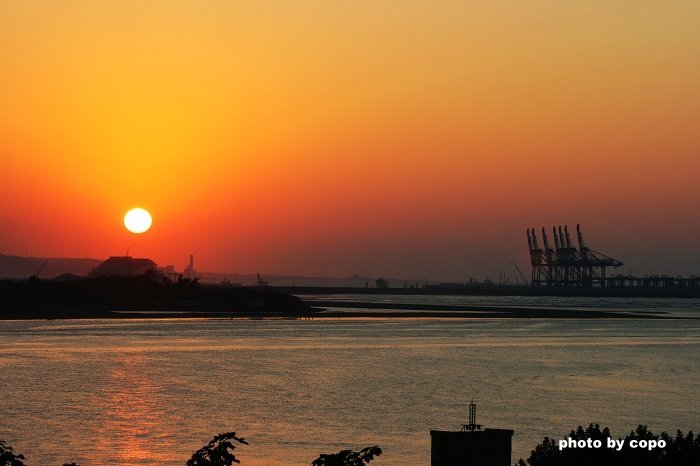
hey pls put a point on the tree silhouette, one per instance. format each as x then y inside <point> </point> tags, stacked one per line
<point>8,456</point>
<point>218,452</point>
<point>683,450</point>
<point>348,457</point>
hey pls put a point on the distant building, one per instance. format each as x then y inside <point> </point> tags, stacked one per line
<point>123,266</point>
<point>169,272</point>
<point>189,271</point>
<point>471,446</point>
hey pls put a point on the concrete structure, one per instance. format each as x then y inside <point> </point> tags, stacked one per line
<point>488,447</point>
<point>471,446</point>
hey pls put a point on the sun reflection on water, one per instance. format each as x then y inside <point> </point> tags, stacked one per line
<point>132,426</point>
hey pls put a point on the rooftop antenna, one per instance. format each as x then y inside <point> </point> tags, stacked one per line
<point>130,247</point>
<point>472,426</point>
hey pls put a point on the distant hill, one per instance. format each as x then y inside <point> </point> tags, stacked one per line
<point>25,267</point>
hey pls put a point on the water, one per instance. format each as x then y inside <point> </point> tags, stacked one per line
<point>153,391</point>
<point>669,307</point>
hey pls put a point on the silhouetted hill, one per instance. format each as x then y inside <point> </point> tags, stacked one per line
<point>148,294</point>
<point>25,267</point>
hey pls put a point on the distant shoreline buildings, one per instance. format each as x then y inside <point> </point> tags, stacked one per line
<point>126,266</point>
<point>567,266</point>
<point>123,266</point>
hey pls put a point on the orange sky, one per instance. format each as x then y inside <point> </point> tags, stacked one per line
<point>414,138</point>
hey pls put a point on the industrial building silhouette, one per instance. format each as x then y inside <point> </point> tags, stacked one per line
<point>564,265</point>
<point>123,266</point>
<point>471,446</point>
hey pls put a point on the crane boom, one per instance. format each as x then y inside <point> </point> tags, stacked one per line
<point>517,269</point>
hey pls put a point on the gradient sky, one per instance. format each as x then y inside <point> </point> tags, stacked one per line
<point>412,138</point>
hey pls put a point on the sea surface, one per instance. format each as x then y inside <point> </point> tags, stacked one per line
<point>138,392</point>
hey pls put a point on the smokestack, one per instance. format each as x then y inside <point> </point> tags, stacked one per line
<point>568,238</point>
<point>557,244</point>
<point>192,261</point>
<point>529,240</point>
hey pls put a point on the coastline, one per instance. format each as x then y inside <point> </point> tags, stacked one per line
<point>337,310</point>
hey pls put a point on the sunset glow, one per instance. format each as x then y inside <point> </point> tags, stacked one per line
<point>302,227</point>
<point>387,138</point>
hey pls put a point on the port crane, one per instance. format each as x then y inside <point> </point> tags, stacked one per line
<point>517,269</point>
<point>41,269</point>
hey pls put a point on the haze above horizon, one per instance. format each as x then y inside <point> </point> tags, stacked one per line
<point>378,138</point>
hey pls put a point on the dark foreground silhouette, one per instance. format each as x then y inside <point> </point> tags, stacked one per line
<point>679,450</point>
<point>348,457</point>
<point>8,457</point>
<point>152,295</point>
<point>220,452</point>
<point>146,295</point>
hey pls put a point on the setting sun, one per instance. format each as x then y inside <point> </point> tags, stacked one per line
<point>419,189</point>
<point>137,220</point>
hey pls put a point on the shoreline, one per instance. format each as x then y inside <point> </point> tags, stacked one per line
<point>476,311</point>
<point>350,310</point>
<point>499,290</point>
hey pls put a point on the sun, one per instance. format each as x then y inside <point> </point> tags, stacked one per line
<point>137,220</point>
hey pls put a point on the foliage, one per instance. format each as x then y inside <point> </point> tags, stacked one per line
<point>218,452</point>
<point>8,456</point>
<point>681,450</point>
<point>348,457</point>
